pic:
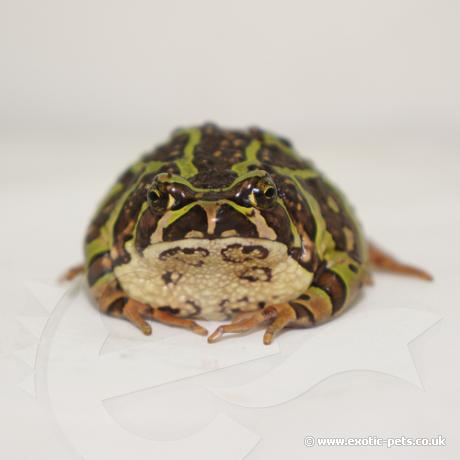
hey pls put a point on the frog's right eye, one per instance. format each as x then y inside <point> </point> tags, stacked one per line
<point>169,193</point>
<point>158,198</point>
<point>153,196</point>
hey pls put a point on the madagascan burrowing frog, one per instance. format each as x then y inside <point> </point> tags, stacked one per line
<point>220,224</point>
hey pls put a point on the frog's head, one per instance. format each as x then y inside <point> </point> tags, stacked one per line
<point>249,207</point>
<point>211,251</point>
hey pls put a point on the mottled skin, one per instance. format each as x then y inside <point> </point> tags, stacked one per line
<point>220,223</point>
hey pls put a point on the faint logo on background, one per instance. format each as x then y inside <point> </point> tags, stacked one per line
<point>77,365</point>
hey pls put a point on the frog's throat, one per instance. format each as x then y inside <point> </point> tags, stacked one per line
<point>212,279</point>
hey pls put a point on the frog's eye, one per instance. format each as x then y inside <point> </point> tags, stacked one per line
<point>159,199</point>
<point>270,192</point>
<point>264,193</point>
<point>153,196</point>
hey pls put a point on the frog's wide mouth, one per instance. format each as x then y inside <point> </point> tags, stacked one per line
<point>213,278</point>
<point>215,221</point>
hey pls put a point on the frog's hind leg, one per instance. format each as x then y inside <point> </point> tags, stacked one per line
<point>385,261</point>
<point>72,273</point>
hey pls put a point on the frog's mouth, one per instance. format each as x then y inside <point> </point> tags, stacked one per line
<point>220,219</point>
<point>212,279</point>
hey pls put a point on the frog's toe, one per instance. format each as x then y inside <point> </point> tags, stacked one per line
<point>171,320</point>
<point>281,314</point>
<point>285,315</point>
<point>133,311</point>
<point>115,302</point>
<point>136,311</point>
<point>242,315</point>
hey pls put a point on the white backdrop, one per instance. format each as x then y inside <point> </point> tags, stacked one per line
<point>367,89</point>
<point>127,66</point>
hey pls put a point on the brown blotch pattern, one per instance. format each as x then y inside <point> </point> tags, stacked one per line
<point>236,307</point>
<point>170,277</point>
<point>188,256</point>
<point>195,306</point>
<point>256,274</point>
<point>237,253</point>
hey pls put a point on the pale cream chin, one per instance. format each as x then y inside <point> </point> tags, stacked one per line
<point>215,285</point>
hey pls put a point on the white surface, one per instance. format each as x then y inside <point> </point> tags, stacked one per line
<point>406,195</point>
<point>368,90</point>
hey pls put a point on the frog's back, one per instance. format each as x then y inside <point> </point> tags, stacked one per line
<point>210,157</point>
<point>216,157</point>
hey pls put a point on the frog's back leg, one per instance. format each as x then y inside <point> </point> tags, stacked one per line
<point>72,273</point>
<point>384,261</point>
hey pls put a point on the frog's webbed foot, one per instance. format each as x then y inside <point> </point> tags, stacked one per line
<point>281,314</point>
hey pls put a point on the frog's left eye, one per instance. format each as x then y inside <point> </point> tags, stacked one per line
<point>264,193</point>
<point>270,192</point>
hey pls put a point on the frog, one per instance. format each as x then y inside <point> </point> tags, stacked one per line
<point>230,225</point>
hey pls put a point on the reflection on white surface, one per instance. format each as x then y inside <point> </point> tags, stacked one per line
<point>375,341</point>
<point>78,379</point>
<point>77,376</point>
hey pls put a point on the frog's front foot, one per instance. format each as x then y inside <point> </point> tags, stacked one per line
<point>115,302</point>
<point>171,320</point>
<point>281,315</point>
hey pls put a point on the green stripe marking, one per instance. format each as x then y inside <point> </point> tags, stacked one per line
<point>251,158</point>
<point>185,164</point>
<point>324,241</point>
